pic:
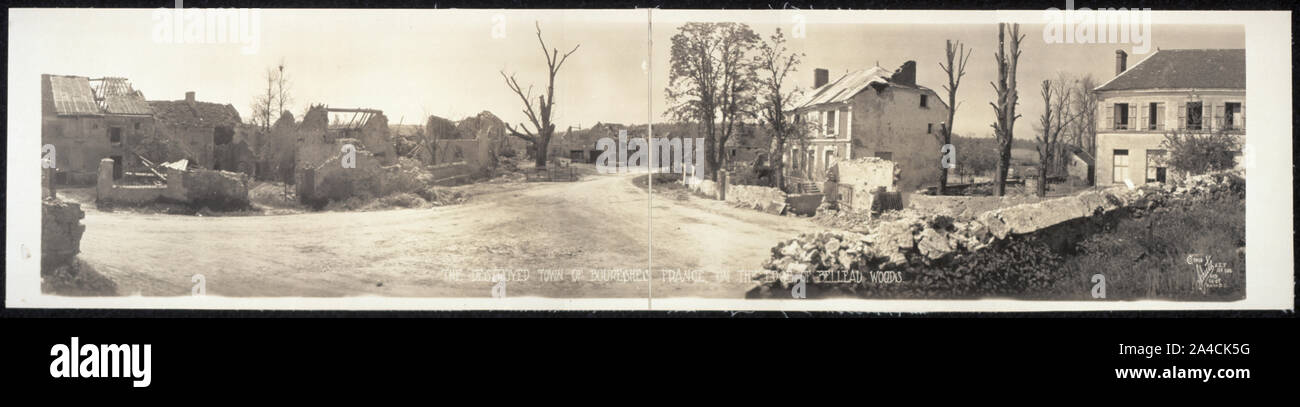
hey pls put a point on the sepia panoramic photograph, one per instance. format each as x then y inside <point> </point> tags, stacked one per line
<point>634,154</point>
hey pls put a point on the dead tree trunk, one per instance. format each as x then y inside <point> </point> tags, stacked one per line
<point>957,55</point>
<point>1005,108</point>
<point>540,117</point>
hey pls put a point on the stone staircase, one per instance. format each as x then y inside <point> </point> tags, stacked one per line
<point>809,188</point>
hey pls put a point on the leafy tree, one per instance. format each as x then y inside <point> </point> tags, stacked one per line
<point>776,62</point>
<point>711,81</point>
<point>1198,153</point>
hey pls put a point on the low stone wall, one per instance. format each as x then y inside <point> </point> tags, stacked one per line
<point>211,188</point>
<point>887,244</point>
<point>331,181</point>
<point>215,189</point>
<point>61,231</point>
<point>964,207</point>
<point>803,204</point>
<point>704,188</point>
<point>766,199</point>
<point>451,173</point>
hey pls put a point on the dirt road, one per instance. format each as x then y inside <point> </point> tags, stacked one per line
<point>579,239</point>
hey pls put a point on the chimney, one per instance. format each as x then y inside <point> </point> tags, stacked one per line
<point>189,96</point>
<point>820,77</point>
<point>905,75</point>
<point>1121,61</point>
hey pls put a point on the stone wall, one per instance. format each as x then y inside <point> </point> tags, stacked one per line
<point>331,181</point>
<point>61,231</point>
<point>964,207</point>
<point>803,204</point>
<point>856,181</point>
<point>215,189</point>
<point>887,244</point>
<point>222,190</point>
<point>450,173</point>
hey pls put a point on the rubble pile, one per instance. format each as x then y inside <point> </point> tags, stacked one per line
<point>900,239</point>
<point>766,199</point>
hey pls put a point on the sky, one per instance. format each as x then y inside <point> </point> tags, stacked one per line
<point>415,63</point>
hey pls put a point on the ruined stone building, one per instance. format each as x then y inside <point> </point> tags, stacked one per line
<point>319,140</point>
<point>868,113</point>
<point>204,132</point>
<point>1172,90</point>
<point>87,120</point>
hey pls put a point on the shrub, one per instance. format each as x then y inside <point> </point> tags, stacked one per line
<point>1199,153</point>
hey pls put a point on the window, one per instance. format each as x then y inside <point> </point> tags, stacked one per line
<point>1155,116</point>
<point>222,135</point>
<point>1193,116</point>
<point>929,128</point>
<point>1120,166</point>
<point>1232,116</point>
<point>925,99</point>
<point>137,125</point>
<point>115,136</point>
<point>830,123</point>
<point>1156,165</point>
<point>1121,116</point>
<point>885,155</point>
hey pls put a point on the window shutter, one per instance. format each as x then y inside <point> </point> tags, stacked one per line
<point>1142,117</point>
<point>1182,115</point>
<point>1110,117</point>
<point>1160,116</point>
<point>1243,115</point>
<point>1219,116</point>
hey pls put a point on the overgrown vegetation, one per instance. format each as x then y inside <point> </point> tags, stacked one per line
<point>1199,153</point>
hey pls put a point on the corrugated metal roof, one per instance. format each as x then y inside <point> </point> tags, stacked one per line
<point>72,95</point>
<point>1184,69</point>
<point>127,104</point>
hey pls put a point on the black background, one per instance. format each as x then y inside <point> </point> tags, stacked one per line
<point>237,355</point>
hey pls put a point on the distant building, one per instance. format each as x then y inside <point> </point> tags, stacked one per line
<point>87,120</point>
<point>1080,165</point>
<point>1175,90</point>
<point>869,113</point>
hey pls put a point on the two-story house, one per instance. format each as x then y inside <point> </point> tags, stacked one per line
<point>89,119</point>
<point>1172,90</point>
<point>868,113</point>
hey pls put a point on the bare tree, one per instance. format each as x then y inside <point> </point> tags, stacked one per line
<point>1057,116</point>
<point>264,105</point>
<point>711,81</point>
<point>1083,132</point>
<point>1005,108</point>
<point>540,116</point>
<point>956,55</point>
<point>282,91</point>
<point>776,62</point>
